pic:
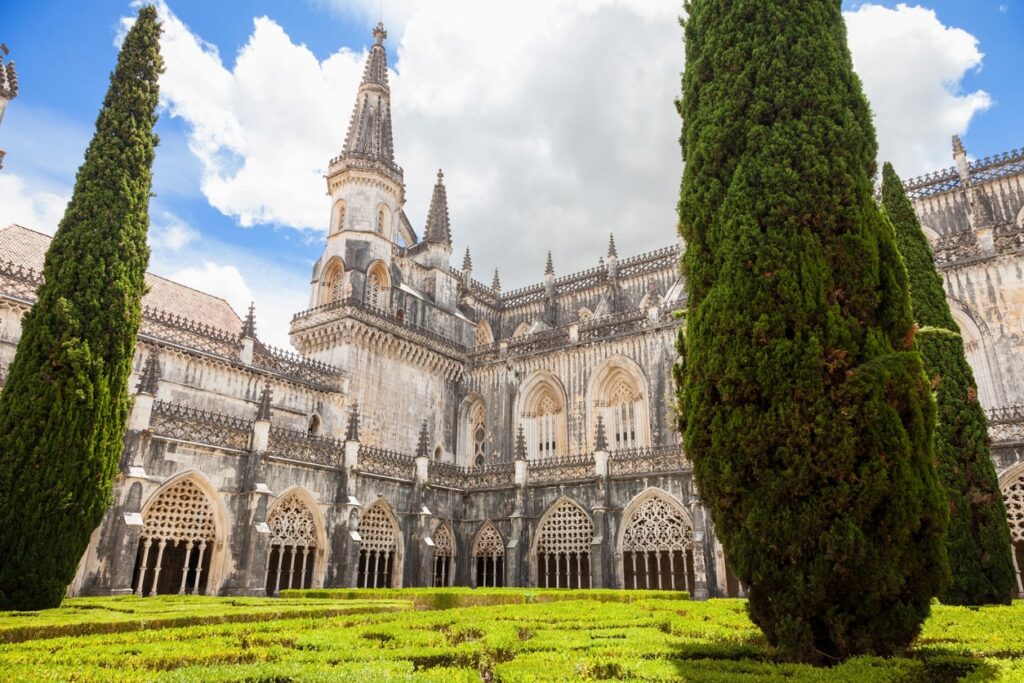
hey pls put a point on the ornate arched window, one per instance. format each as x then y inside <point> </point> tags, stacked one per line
<point>1013,497</point>
<point>377,287</point>
<point>292,545</point>
<point>544,421</point>
<point>489,557</point>
<point>313,429</point>
<point>484,337</point>
<point>377,549</point>
<point>444,555</point>
<point>177,536</point>
<point>563,545</point>
<point>478,430</point>
<point>338,219</point>
<point>334,278</point>
<point>618,397</point>
<point>657,547</point>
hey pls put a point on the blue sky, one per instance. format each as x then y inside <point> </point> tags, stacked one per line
<point>547,142</point>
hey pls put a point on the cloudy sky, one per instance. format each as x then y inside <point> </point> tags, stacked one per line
<point>552,119</point>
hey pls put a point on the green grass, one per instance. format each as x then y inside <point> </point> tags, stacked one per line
<point>548,635</point>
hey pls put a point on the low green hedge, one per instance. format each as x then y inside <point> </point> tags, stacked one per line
<point>452,598</point>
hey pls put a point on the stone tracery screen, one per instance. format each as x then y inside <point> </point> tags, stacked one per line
<point>489,557</point>
<point>1013,497</point>
<point>479,434</point>
<point>444,556</point>
<point>657,547</point>
<point>545,415</point>
<point>179,529</point>
<point>563,548</point>
<point>292,554</point>
<point>378,549</point>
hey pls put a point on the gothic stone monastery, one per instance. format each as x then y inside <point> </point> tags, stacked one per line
<point>434,430</point>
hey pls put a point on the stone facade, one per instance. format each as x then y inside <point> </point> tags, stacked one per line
<point>434,430</point>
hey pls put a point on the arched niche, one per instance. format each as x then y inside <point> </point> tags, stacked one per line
<point>332,282</point>
<point>560,552</point>
<point>655,543</point>
<point>383,220</point>
<point>182,545</point>
<point>542,410</point>
<point>474,431</point>
<point>980,354</point>
<point>381,550</point>
<point>617,391</point>
<point>444,555</point>
<point>298,542</point>
<point>338,217</point>
<point>484,336</point>
<point>377,292</point>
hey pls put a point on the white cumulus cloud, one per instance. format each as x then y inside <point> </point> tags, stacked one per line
<point>23,203</point>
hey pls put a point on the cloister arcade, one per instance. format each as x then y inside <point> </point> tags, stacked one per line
<point>1012,485</point>
<point>380,548</point>
<point>488,558</point>
<point>294,556</point>
<point>656,544</point>
<point>562,547</point>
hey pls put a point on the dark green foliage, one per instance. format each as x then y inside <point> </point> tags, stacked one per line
<point>978,541</point>
<point>804,406</point>
<point>65,403</point>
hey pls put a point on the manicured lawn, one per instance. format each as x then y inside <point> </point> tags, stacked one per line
<point>426,635</point>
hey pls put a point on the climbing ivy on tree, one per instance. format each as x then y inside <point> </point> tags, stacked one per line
<point>803,403</point>
<point>978,541</point>
<point>65,403</point>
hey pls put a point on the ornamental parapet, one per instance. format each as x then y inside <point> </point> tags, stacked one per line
<point>1006,425</point>
<point>557,470</point>
<point>386,463</point>
<point>168,327</point>
<point>995,167</point>
<point>293,366</point>
<point>18,281</point>
<point>295,445</point>
<point>194,425</point>
<point>663,459</point>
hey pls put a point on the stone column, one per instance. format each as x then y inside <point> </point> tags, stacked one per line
<point>700,575</point>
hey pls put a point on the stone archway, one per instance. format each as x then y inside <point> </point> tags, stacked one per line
<point>562,545</point>
<point>380,548</point>
<point>656,544</point>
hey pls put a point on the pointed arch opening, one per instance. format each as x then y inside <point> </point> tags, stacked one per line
<point>521,329</point>
<point>543,416</point>
<point>180,549</point>
<point>378,287</point>
<point>380,549</point>
<point>332,285</point>
<point>980,356</point>
<point>484,336</point>
<point>656,544</point>
<point>296,543</point>
<point>444,555</point>
<point>562,545</point>
<point>338,217</point>
<point>473,431</point>
<point>618,393</point>
<point>1013,498</point>
<point>488,558</point>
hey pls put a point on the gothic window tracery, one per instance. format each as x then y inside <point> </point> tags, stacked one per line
<point>657,547</point>
<point>563,548</point>
<point>544,423</point>
<point>618,398</point>
<point>338,224</point>
<point>483,334</point>
<point>179,528</point>
<point>479,433</point>
<point>489,557</point>
<point>377,549</point>
<point>292,545</point>
<point>1013,497</point>
<point>333,283</point>
<point>376,288</point>
<point>444,555</point>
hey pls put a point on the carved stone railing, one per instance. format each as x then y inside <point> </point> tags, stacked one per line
<point>523,296</point>
<point>19,281</point>
<point>385,463</point>
<point>584,279</point>
<point>608,327</point>
<point>664,459</point>
<point>539,341</point>
<point>1002,165</point>
<point>296,445</point>
<point>185,423</point>
<point>652,261</point>
<point>1006,425</point>
<point>168,327</point>
<point>447,475</point>
<point>499,475</point>
<point>555,470</point>
<point>293,366</point>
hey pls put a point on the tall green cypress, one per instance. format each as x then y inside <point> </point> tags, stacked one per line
<point>64,407</point>
<point>804,406</point>
<point>978,541</point>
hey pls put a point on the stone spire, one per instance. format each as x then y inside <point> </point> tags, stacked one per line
<point>958,147</point>
<point>263,411</point>
<point>370,137</point>
<point>549,268</point>
<point>438,226</point>
<point>8,87</point>
<point>423,447</point>
<point>150,379</point>
<point>520,444</point>
<point>249,324</point>
<point>612,252</point>
<point>352,432</point>
<point>600,438</point>
<point>496,284</point>
<point>467,262</point>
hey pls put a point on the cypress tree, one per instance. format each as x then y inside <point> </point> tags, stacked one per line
<point>65,403</point>
<point>804,406</point>
<point>978,540</point>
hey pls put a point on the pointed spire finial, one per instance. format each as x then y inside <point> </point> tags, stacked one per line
<point>467,262</point>
<point>958,147</point>
<point>496,284</point>
<point>549,269</point>
<point>150,380</point>
<point>520,444</point>
<point>352,433</point>
<point>600,438</point>
<point>263,411</point>
<point>438,224</point>
<point>379,34</point>
<point>612,252</point>
<point>249,324</point>
<point>423,448</point>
